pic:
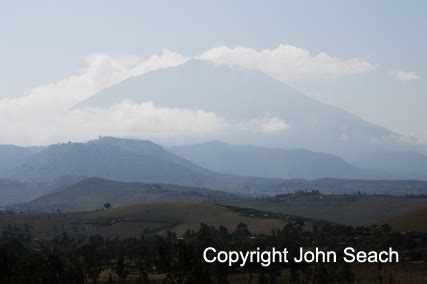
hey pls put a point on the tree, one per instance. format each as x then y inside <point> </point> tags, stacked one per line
<point>91,262</point>
<point>107,205</point>
<point>121,270</point>
<point>110,279</point>
<point>73,272</point>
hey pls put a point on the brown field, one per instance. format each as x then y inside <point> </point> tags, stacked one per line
<point>415,220</point>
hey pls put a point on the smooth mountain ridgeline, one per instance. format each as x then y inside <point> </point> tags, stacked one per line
<point>249,160</point>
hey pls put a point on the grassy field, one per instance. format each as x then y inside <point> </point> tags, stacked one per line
<point>345,209</point>
<point>180,216</point>
<point>136,220</point>
<point>154,217</point>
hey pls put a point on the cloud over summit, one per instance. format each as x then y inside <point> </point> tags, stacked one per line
<point>288,63</point>
<point>45,115</point>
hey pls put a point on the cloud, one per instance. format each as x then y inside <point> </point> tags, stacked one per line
<point>288,63</point>
<point>126,119</point>
<point>143,120</point>
<point>266,125</point>
<point>45,115</point>
<point>102,72</point>
<point>403,76</point>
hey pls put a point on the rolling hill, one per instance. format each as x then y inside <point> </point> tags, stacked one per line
<point>184,215</point>
<point>139,219</point>
<point>93,193</point>
<point>345,209</point>
<point>249,160</point>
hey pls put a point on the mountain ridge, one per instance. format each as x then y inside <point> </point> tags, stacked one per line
<point>259,161</point>
<point>128,160</point>
<point>12,155</point>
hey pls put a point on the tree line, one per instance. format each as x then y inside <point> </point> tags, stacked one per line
<point>178,259</point>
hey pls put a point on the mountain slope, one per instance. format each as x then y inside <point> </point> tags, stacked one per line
<point>120,159</point>
<point>128,160</point>
<point>267,162</point>
<point>13,191</point>
<point>11,156</point>
<point>244,95</point>
<point>401,164</point>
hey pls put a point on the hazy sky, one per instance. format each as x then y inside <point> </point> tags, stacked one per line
<point>43,42</point>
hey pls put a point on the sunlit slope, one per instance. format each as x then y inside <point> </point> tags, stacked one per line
<point>185,215</point>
